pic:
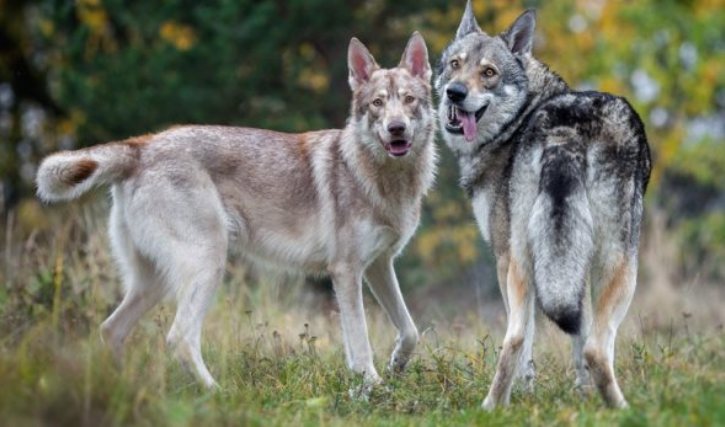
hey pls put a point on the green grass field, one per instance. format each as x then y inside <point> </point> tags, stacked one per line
<point>279,361</point>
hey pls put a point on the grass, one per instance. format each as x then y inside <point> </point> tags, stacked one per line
<point>280,362</point>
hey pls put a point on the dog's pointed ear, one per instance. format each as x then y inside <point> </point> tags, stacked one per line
<point>415,58</point>
<point>520,36</point>
<point>468,23</point>
<point>360,62</point>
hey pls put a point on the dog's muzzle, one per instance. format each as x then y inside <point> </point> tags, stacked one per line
<point>461,122</point>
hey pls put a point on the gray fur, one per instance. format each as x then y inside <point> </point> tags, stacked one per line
<point>520,36</point>
<point>468,22</point>
<point>556,179</point>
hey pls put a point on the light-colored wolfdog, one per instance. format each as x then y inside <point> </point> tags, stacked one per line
<point>341,203</point>
<point>556,179</point>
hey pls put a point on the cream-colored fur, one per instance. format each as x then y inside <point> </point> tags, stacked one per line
<point>342,203</point>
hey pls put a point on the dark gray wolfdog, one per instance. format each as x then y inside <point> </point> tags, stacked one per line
<point>556,178</point>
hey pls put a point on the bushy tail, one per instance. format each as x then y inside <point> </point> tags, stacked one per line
<point>68,174</point>
<point>560,234</point>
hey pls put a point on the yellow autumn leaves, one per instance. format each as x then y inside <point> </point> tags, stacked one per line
<point>181,36</point>
<point>92,14</point>
<point>455,243</point>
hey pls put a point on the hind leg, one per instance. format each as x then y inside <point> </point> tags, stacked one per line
<point>187,237</point>
<point>502,271</point>
<point>519,331</point>
<point>583,379</point>
<point>617,284</point>
<point>144,292</point>
<point>197,274</point>
<point>143,288</point>
<point>527,368</point>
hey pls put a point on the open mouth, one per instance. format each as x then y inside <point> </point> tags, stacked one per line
<point>398,147</point>
<point>463,122</point>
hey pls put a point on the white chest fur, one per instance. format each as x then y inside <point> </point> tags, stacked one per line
<point>482,210</point>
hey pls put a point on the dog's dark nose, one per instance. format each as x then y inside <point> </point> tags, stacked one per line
<point>456,92</point>
<point>396,128</point>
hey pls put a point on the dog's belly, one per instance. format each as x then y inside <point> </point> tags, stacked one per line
<point>306,254</point>
<point>293,243</point>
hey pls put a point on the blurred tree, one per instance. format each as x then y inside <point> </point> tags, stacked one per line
<point>90,71</point>
<point>21,81</point>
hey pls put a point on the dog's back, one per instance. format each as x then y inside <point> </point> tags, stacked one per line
<point>594,171</point>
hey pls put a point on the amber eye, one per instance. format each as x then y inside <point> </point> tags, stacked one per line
<point>489,72</point>
<point>409,99</point>
<point>455,64</point>
<point>378,102</point>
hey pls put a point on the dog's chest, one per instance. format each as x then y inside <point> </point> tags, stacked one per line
<point>482,202</point>
<point>389,230</point>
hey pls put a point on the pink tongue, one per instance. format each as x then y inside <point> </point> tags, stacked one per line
<point>468,120</point>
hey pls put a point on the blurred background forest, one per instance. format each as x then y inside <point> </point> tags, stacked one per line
<point>77,73</point>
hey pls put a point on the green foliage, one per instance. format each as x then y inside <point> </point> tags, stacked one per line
<point>704,162</point>
<point>279,358</point>
<point>703,249</point>
<point>61,375</point>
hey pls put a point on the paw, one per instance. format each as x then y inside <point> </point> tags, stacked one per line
<point>584,391</point>
<point>372,380</point>
<point>619,404</point>
<point>362,391</point>
<point>398,362</point>
<point>583,385</point>
<point>404,346</point>
<point>488,404</point>
<point>527,377</point>
<point>528,383</point>
<point>112,346</point>
<point>211,385</point>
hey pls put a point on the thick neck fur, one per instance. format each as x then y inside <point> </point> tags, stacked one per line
<point>386,180</point>
<point>492,158</point>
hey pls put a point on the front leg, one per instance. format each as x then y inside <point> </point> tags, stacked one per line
<point>347,283</point>
<point>383,283</point>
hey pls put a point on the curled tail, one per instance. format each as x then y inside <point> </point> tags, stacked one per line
<point>560,234</point>
<point>68,174</point>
